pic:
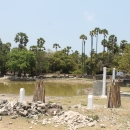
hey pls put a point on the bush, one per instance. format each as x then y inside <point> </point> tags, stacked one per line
<point>77,72</point>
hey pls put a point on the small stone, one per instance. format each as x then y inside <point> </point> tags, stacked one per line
<point>113,122</point>
<point>102,125</point>
<point>14,116</point>
<point>10,122</point>
<point>91,124</point>
<point>30,127</point>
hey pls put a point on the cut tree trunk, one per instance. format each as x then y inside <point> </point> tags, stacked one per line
<point>39,91</point>
<point>113,95</point>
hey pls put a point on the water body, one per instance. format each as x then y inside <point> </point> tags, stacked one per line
<point>51,89</point>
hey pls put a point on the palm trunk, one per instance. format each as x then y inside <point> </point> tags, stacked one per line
<point>103,49</point>
<point>91,51</point>
<point>96,42</point>
<point>84,57</point>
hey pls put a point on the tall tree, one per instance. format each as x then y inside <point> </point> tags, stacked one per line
<point>97,31</point>
<point>0,45</point>
<point>68,49</point>
<point>123,43</point>
<point>22,38</point>
<point>104,43</point>
<point>40,43</point>
<point>55,45</point>
<point>92,33</point>
<point>83,37</point>
<point>113,43</point>
<point>124,61</point>
<point>105,33</point>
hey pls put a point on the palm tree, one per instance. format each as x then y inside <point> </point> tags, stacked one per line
<point>112,41</point>
<point>105,33</point>
<point>92,33</point>
<point>22,38</point>
<point>8,44</point>
<point>122,45</point>
<point>40,43</point>
<point>83,37</point>
<point>68,49</point>
<point>97,31</point>
<point>104,43</point>
<point>1,44</point>
<point>55,45</point>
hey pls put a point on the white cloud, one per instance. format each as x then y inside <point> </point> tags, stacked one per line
<point>90,16</point>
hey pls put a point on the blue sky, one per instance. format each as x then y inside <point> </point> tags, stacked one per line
<point>63,21</point>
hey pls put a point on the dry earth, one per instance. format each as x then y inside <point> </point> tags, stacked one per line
<point>115,118</point>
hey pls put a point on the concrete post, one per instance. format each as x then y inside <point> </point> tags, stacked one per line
<point>90,102</point>
<point>22,94</point>
<point>104,82</point>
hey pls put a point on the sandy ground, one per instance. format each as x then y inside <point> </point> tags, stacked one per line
<point>111,118</point>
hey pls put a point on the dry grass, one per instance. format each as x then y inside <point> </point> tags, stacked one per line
<point>125,89</point>
<point>120,115</point>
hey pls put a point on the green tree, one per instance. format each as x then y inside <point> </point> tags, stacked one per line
<point>0,45</point>
<point>112,40</point>
<point>55,45</point>
<point>40,43</point>
<point>104,43</point>
<point>124,60</point>
<point>83,37</point>
<point>92,33</point>
<point>22,38</point>
<point>5,49</point>
<point>105,33</point>
<point>97,31</point>
<point>123,43</point>
<point>21,61</point>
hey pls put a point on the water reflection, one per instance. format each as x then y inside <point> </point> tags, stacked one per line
<point>51,89</point>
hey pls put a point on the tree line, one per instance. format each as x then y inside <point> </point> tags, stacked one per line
<point>37,60</point>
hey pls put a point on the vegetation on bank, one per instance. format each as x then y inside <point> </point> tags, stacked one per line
<point>37,60</point>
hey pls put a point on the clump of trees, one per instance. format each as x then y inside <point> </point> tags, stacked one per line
<point>37,60</point>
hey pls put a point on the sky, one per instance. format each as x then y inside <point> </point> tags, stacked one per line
<point>63,21</point>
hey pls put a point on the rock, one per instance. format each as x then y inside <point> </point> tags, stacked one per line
<point>0,118</point>
<point>41,105</point>
<point>39,109</point>
<point>113,122</point>
<point>30,127</point>
<point>102,125</point>
<point>39,102</point>
<point>10,122</point>
<point>3,112</point>
<point>91,124</point>
<point>24,113</point>
<point>14,116</point>
<point>53,111</point>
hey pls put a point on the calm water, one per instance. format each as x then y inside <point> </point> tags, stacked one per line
<point>51,89</point>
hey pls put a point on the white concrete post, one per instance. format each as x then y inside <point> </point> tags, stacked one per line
<point>90,102</point>
<point>113,75</point>
<point>104,82</point>
<point>22,94</point>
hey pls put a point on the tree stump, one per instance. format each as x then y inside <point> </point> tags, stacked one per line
<point>113,94</point>
<point>39,91</point>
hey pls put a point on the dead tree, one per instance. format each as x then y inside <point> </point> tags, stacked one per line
<point>113,94</point>
<point>39,91</point>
